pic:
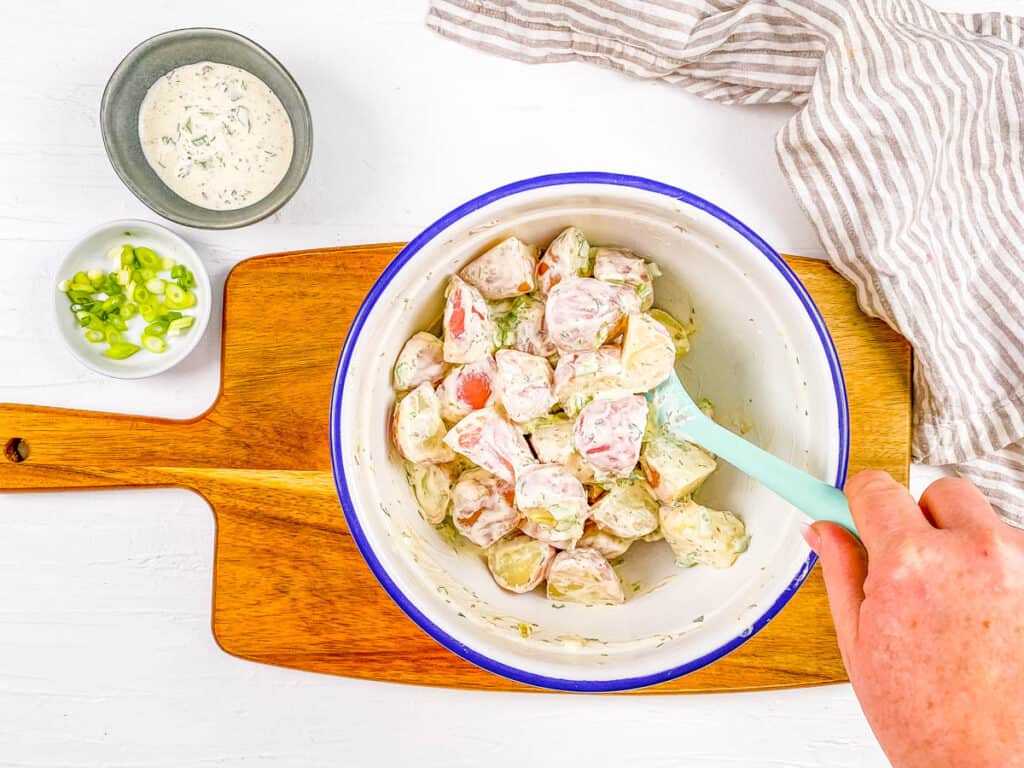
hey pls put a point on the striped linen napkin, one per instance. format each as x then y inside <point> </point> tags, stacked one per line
<point>907,154</point>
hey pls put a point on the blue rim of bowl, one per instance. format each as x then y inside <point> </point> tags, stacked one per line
<point>352,519</point>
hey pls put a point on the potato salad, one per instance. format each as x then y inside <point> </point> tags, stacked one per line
<point>524,421</point>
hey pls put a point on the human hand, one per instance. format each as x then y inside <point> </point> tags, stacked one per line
<point>930,618</point>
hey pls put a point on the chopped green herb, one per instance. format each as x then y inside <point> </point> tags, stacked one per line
<point>103,303</point>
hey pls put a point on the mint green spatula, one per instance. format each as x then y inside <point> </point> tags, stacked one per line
<point>677,414</point>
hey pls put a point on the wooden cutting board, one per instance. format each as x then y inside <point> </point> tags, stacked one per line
<point>289,585</point>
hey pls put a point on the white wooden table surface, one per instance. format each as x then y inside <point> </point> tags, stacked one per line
<point>106,655</point>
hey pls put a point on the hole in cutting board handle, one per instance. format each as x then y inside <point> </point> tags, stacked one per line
<point>16,450</point>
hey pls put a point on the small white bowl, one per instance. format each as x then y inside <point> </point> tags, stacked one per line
<point>762,353</point>
<point>91,253</point>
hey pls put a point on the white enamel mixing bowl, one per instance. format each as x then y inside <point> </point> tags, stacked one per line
<point>761,353</point>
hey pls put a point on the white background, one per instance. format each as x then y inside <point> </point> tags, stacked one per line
<point>106,655</point>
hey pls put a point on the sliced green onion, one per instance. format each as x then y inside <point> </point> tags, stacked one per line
<point>121,350</point>
<point>174,293</point>
<point>148,312</point>
<point>148,258</point>
<point>154,343</point>
<point>176,298</point>
<point>180,325</point>
<point>185,280</point>
<point>103,302</point>
<point>113,302</point>
<point>128,259</point>
<point>183,277</point>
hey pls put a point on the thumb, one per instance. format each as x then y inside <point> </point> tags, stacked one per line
<point>844,564</point>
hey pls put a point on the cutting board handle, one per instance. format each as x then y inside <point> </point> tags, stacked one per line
<point>56,448</point>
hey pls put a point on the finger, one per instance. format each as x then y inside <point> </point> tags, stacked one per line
<point>882,508</point>
<point>953,502</point>
<point>844,564</point>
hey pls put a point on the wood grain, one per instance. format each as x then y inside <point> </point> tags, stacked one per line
<point>289,585</point>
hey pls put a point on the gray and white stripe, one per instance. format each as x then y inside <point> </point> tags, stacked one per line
<point>907,154</point>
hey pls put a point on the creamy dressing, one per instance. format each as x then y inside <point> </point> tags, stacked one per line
<point>216,135</point>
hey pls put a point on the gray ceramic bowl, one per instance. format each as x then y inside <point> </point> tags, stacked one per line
<point>119,120</point>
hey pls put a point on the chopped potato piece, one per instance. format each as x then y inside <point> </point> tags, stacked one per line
<point>527,328</point>
<point>482,507</point>
<point>700,535</point>
<point>623,267</point>
<point>674,469</point>
<point>417,428</point>
<point>432,486</point>
<point>519,563</point>
<point>503,272</point>
<point>526,384</point>
<point>608,434</point>
<point>583,313</point>
<point>580,376</point>
<point>584,576</point>
<point>567,256</point>
<point>629,302</point>
<point>605,542</point>
<point>552,500</point>
<point>551,440</point>
<point>677,331</point>
<point>545,533</point>
<point>468,388</point>
<point>421,359</point>
<point>648,354</point>
<point>491,441</point>
<point>628,510</point>
<point>468,331</point>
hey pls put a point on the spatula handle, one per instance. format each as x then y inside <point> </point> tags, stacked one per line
<point>818,500</point>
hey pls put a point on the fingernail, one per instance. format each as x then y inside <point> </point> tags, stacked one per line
<point>810,536</point>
